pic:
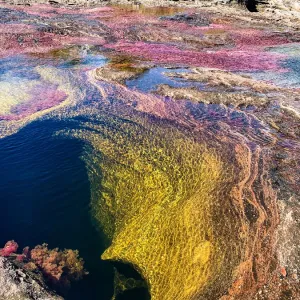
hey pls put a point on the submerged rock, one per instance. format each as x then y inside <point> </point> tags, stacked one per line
<point>119,69</point>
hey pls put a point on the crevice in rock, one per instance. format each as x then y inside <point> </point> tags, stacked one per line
<point>251,5</point>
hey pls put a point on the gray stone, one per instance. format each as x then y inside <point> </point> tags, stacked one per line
<point>19,284</point>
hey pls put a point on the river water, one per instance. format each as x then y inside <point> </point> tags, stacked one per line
<point>173,175</point>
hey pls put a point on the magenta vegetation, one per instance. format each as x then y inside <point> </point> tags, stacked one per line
<point>233,60</point>
<point>9,248</point>
<point>59,267</point>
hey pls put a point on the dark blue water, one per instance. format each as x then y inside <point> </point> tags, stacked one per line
<point>153,77</point>
<point>45,196</point>
<point>290,77</point>
<point>44,187</point>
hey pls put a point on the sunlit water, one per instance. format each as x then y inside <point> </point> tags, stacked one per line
<point>118,171</point>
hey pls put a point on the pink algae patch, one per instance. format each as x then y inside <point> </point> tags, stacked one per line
<point>13,43</point>
<point>9,248</point>
<point>42,99</point>
<point>16,29</point>
<point>257,38</point>
<point>40,42</point>
<point>233,60</point>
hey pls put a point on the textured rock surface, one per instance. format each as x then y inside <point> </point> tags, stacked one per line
<point>184,189</point>
<point>274,4</point>
<point>18,284</point>
<point>284,4</point>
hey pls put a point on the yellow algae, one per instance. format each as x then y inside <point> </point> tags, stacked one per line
<point>148,10</point>
<point>158,194</point>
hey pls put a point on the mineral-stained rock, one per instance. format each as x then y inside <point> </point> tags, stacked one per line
<point>120,68</point>
<point>225,79</point>
<point>193,94</point>
<point>192,19</point>
<point>19,284</point>
<point>185,200</point>
<point>284,4</point>
<point>184,190</point>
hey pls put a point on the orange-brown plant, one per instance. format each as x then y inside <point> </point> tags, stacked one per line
<point>58,267</point>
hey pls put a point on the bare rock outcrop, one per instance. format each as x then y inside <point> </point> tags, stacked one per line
<point>19,284</point>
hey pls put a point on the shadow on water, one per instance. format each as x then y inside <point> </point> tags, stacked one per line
<point>139,293</point>
<point>45,195</point>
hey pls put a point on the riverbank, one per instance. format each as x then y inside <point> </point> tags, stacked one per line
<point>284,12</point>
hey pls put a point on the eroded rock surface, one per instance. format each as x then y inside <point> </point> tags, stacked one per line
<point>18,284</point>
<point>186,177</point>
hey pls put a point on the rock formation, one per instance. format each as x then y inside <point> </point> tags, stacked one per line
<point>18,284</point>
<point>183,183</point>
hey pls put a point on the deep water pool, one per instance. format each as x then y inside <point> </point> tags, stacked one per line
<point>45,197</point>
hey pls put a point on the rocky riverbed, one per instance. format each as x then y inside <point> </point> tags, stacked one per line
<point>189,119</point>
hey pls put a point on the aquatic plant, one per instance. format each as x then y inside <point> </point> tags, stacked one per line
<point>60,268</point>
<point>9,248</point>
<point>183,190</point>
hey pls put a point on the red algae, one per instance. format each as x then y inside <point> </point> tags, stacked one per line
<point>43,98</point>
<point>233,60</point>
<point>245,53</point>
<point>257,38</point>
<point>187,192</point>
<point>17,29</point>
<point>58,267</point>
<point>14,43</point>
<point>10,247</point>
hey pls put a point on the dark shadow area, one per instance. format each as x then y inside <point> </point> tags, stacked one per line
<point>137,286</point>
<point>127,270</point>
<point>251,5</point>
<point>139,293</point>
